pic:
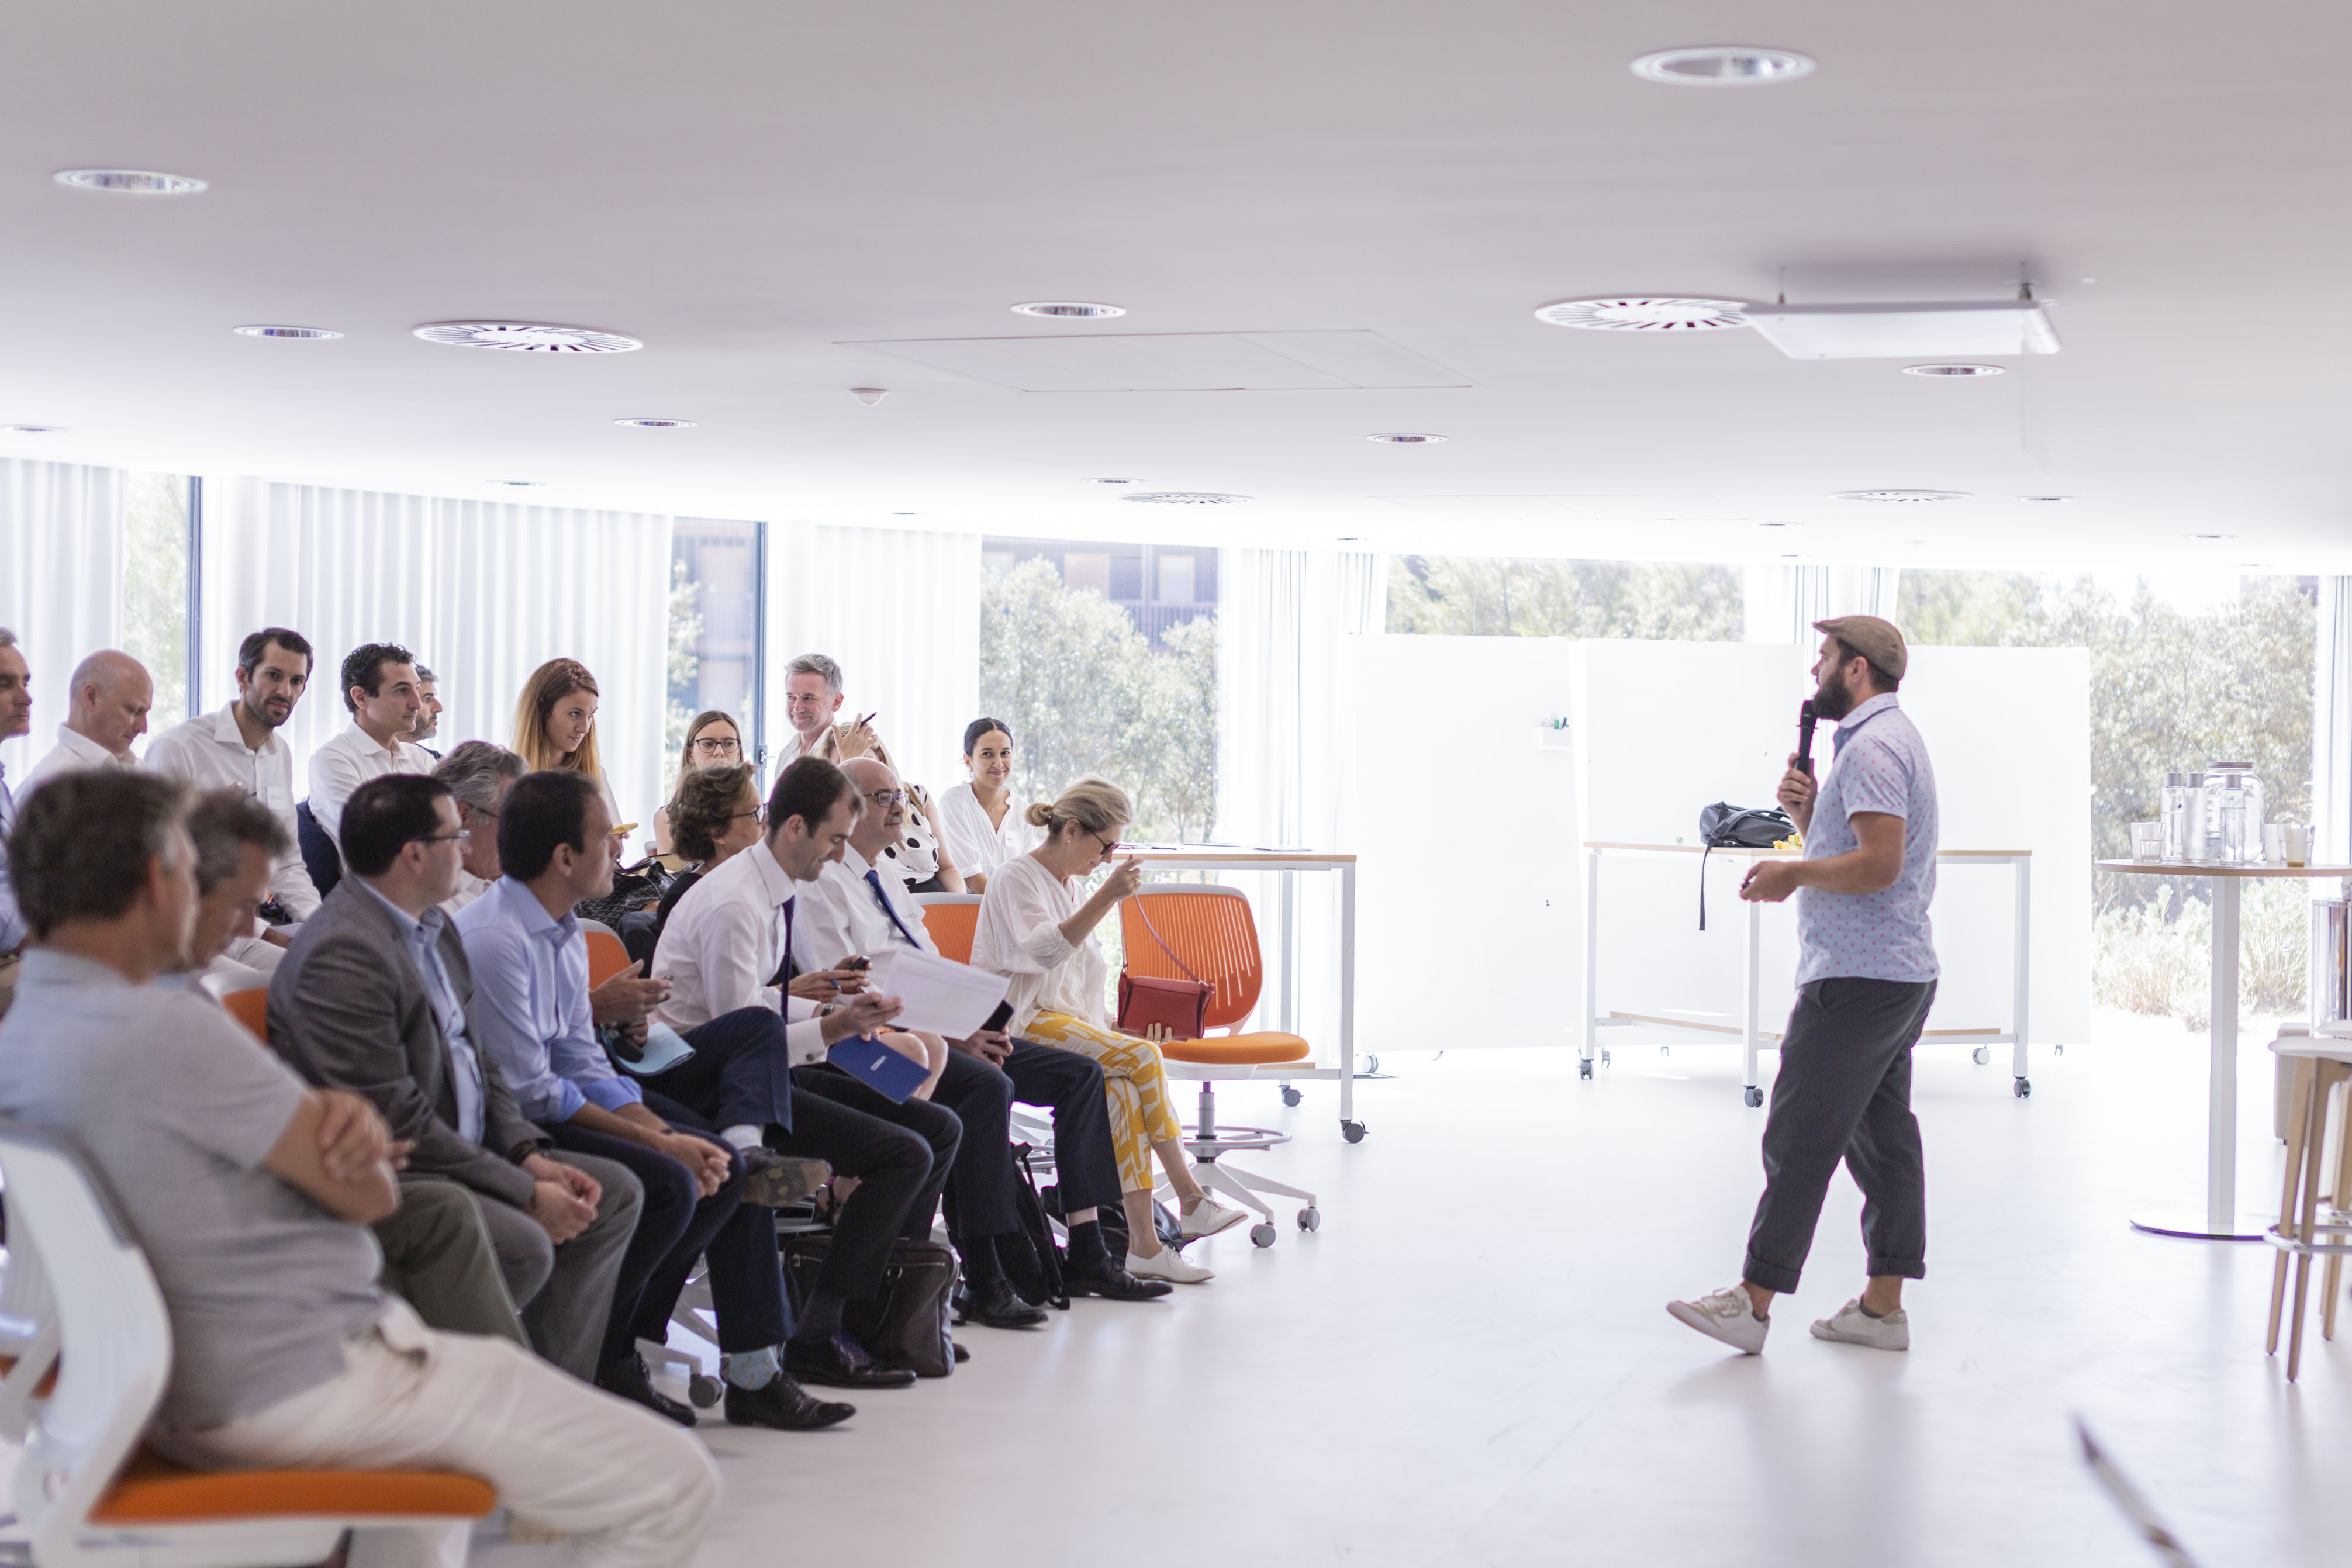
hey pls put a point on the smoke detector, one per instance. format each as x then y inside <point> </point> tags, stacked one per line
<point>1723,65</point>
<point>298,332</point>
<point>1901,496</point>
<point>526,337</point>
<point>1079,310</point>
<point>1962,370</point>
<point>1403,438</point>
<point>1185,498</point>
<point>656,424</point>
<point>1646,313</point>
<point>130,182</point>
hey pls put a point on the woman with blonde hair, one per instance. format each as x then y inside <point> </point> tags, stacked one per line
<point>712,741</point>
<point>1035,930</point>
<point>555,727</point>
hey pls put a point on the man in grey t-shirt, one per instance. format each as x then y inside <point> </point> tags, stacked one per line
<point>284,1352</point>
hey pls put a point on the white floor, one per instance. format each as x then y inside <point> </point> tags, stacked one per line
<point>1470,1364</point>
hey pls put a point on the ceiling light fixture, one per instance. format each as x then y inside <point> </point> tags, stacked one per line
<point>1110,481</point>
<point>2209,537</point>
<point>2046,499</point>
<point>656,424</point>
<point>1403,438</point>
<point>1185,498</point>
<point>869,396</point>
<point>1723,65</point>
<point>1080,310</point>
<point>520,484</point>
<point>1646,313</point>
<point>1961,370</point>
<point>1900,496</point>
<point>1776,525</point>
<point>130,182</point>
<point>32,429</point>
<point>302,332</point>
<point>527,337</point>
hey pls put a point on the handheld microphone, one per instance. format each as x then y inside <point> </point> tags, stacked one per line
<point>1806,719</point>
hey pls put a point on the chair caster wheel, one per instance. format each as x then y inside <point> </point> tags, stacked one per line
<point>1604,1055</point>
<point>1371,1063</point>
<point>1310,1218</point>
<point>1584,1067</point>
<point>2023,1089</point>
<point>1981,1055</point>
<point>1290,1096</point>
<point>1262,1235</point>
<point>1754,1095</point>
<point>1353,1130</point>
<point>705,1391</point>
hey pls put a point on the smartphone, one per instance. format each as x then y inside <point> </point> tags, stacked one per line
<point>858,962</point>
<point>998,1019</point>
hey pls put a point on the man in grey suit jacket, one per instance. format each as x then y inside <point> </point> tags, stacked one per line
<point>375,996</point>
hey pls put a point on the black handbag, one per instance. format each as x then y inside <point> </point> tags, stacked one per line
<point>636,886</point>
<point>1030,1257</point>
<point>907,1322</point>
<point>1722,826</point>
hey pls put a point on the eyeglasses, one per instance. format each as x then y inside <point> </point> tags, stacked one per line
<point>758,813</point>
<point>887,797</point>
<point>1109,846</point>
<point>717,748</point>
<point>462,835</point>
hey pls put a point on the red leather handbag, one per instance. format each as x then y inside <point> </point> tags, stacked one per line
<point>1178,1006</point>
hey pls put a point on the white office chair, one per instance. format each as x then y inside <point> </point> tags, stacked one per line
<point>84,1490</point>
<point>29,1333</point>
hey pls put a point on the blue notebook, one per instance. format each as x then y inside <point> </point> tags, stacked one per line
<point>888,1073</point>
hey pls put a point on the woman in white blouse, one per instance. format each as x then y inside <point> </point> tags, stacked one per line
<point>1034,930</point>
<point>977,819</point>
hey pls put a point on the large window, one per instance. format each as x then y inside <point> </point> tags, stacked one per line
<point>714,631</point>
<point>155,588</point>
<point>1465,595</point>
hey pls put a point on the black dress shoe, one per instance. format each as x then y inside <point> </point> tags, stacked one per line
<point>784,1406</point>
<point>842,1363</point>
<point>631,1381</point>
<point>962,1354</point>
<point>1110,1279</point>
<point>996,1304</point>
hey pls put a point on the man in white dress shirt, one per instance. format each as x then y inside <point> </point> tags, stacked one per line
<point>15,719</point>
<point>380,691</point>
<point>239,747</point>
<point>428,710</point>
<point>106,709</point>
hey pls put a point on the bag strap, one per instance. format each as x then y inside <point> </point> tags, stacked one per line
<point>1141,914</point>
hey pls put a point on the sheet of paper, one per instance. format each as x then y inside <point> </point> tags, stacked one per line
<point>665,1049</point>
<point>939,996</point>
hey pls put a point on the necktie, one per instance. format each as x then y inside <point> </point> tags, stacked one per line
<point>785,970</point>
<point>873,880</point>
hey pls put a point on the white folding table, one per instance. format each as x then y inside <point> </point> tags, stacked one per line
<point>1753,1038</point>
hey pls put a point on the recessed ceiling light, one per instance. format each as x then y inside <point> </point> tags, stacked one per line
<point>1901,495</point>
<point>2045,497</point>
<point>1646,313</point>
<point>2209,536</point>
<point>1110,481</point>
<point>32,429</point>
<point>1082,310</point>
<point>305,332</point>
<point>1185,498</point>
<point>1723,65</point>
<point>1351,539</point>
<point>1403,438</point>
<point>656,424</point>
<point>1954,370</point>
<point>520,484</point>
<point>526,337</point>
<point>869,396</point>
<point>130,182</point>
<point>1776,525</point>
<point>906,514</point>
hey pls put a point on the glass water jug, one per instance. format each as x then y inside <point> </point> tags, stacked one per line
<point>2234,814</point>
<point>2179,800</point>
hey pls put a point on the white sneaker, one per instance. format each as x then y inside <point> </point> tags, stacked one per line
<point>1853,1326</point>
<point>1208,1217</point>
<point>1169,1265</point>
<point>1728,1315</point>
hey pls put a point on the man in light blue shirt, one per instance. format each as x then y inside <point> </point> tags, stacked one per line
<point>529,964</point>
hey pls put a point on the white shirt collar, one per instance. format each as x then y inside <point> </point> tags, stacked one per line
<point>226,732</point>
<point>774,881</point>
<point>367,742</point>
<point>88,750</point>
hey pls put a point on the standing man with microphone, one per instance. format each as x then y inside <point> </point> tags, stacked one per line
<point>1866,977</point>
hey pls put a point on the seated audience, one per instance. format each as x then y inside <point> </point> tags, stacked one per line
<point>376,995</point>
<point>859,907</point>
<point>531,977</point>
<point>725,952</point>
<point>812,700</point>
<point>1034,930</point>
<point>436,1252</point>
<point>379,686</point>
<point>977,821</point>
<point>15,719</point>
<point>715,815</point>
<point>285,1353</point>
<point>478,773</point>
<point>555,727</point>
<point>712,741</point>
<point>106,709</point>
<point>239,747</point>
<point>428,712</point>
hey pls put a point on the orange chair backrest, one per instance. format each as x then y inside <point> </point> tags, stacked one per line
<point>250,1008</point>
<point>607,957</point>
<point>952,926</point>
<point>1211,931</point>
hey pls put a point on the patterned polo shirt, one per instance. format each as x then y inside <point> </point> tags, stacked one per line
<point>1878,764</point>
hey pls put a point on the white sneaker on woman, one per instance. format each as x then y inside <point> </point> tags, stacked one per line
<point>1728,1315</point>
<point>1166,1264</point>
<point>1209,1217</point>
<point>1853,1326</point>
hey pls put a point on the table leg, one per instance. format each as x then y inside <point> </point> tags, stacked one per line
<point>1591,1047</point>
<point>2021,979</point>
<point>2220,1221</point>
<point>1748,981</point>
<point>1348,1122</point>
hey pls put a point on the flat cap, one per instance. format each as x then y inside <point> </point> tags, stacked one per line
<point>1878,641</point>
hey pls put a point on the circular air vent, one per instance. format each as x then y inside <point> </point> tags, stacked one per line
<point>1185,498</point>
<point>656,424</point>
<point>305,332</point>
<point>526,337</point>
<point>1082,310</point>
<point>1723,65</point>
<point>130,182</point>
<point>1646,313</point>
<point>1901,495</point>
<point>1953,370</point>
<point>1403,438</point>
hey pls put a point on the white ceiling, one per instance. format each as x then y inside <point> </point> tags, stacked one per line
<point>757,188</point>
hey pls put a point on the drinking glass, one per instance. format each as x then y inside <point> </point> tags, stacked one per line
<point>2274,843</point>
<point>2298,843</point>
<point>2147,840</point>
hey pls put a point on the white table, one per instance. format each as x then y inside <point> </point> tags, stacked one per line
<point>1753,1038</point>
<point>2220,1221</point>
<point>1227,858</point>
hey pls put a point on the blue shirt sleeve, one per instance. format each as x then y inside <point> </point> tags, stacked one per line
<point>578,1055</point>
<point>505,1027</point>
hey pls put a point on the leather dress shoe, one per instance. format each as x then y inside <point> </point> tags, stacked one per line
<point>784,1406</point>
<point>842,1363</point>
<point>996,1304</point>
<point>1110,1279</point>
<point>631,1381</point>
<point>779,1180</point>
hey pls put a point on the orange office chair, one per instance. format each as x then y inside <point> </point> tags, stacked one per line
<point>606,956</point>
<point>951,919</point>
<point>250,1008</point>
<point>1211,930</point>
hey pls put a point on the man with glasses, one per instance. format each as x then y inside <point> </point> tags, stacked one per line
<point>376,996</point>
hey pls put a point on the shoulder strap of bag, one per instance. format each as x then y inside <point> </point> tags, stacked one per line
<point>1141,914</point>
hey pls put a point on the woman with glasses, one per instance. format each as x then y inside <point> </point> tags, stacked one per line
<point>977,822</point>
<point>715,816</point>
<point>1035,930</point>
<point>713,740</point>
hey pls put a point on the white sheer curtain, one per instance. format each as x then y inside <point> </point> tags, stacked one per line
<point>61,582</point>
<point>482,593</point>
<point>1784,602</point>
<point>2331,723</point>
<point>900,610</point>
